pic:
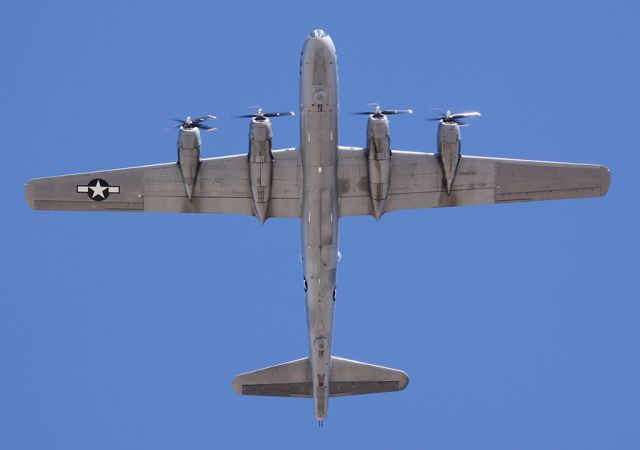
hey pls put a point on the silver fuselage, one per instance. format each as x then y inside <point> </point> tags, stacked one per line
<point>319,152</point>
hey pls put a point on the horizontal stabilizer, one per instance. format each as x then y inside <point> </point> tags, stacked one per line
<point>290,379</point>
<point>350,377</point>
<point>293,379</point>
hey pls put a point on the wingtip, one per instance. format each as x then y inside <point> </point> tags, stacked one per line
<point>606,180</point>
<point>29,192</point>
<point>404,380</point>
<point>236,385</point>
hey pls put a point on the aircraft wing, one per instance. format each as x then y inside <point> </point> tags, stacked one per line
<point>222,186</point>
<point>417,181</point>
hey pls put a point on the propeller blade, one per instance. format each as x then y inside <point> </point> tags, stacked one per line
<point>266,114</point>
<point>378,112</point>
<point>206,128</point>
<point>465,114</point>
<point>204,118</point>
<point>455,118</point>
<point>278,114</point>
<point>397,111</point>
<point>194,123</point>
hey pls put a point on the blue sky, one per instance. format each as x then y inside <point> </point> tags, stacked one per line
<point>518,324</point>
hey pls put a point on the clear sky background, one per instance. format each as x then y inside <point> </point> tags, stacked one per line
<point>517,324</point>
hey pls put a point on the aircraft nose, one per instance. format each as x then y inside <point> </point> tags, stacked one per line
<point>318,33</point>
<point>319,39</point>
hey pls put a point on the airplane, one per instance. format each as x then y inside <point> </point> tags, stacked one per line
<point>318,183</point>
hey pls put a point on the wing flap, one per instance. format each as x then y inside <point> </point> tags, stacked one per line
<point>353,182</point>
<point>286,189</point>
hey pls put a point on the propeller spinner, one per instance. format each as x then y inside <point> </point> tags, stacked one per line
<point>455,118</point>
<point>190,123</point>
<point>379,113</point>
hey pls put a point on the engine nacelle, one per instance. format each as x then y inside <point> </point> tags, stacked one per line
<point>260,165</point>
<point>189,156</point>
<point>378,162</point>
<point>449,151</point>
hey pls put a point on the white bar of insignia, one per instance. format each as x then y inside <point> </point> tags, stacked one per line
<point>83,189</point>
<point>114,189</point>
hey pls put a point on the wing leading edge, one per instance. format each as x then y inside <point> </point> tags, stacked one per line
<point>222,186</point>
<point>416,181</point>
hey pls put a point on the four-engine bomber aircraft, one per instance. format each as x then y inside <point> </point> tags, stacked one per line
<point>319,183</point>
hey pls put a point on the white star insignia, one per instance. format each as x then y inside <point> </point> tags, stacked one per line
<point>98,190</point>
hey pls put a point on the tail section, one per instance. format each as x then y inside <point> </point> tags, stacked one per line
<point>293,379</point>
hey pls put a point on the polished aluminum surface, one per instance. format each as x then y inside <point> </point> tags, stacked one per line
<point>319,151</point>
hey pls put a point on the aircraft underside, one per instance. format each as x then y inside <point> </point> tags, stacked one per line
<point>318,183</point>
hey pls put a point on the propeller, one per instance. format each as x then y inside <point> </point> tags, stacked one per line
<point>190,123</point>
<point>379,113</point>
<point>455,118</point>
<point>260,115</point>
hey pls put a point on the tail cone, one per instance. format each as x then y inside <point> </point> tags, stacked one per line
<point>261,211</point>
